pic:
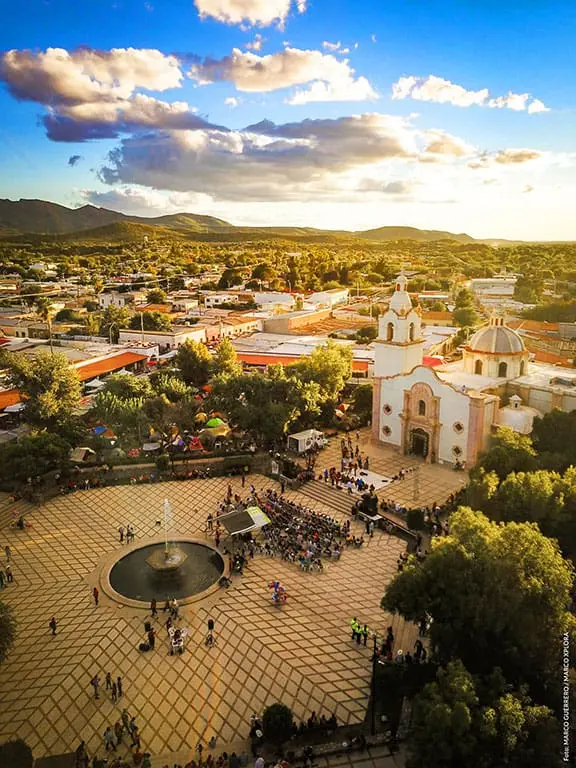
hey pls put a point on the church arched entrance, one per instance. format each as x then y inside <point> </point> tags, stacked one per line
<point>419,442</point>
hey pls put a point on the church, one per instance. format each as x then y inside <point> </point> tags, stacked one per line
<point>446,414</point>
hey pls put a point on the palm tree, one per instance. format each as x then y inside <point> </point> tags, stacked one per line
<point>45,309</point>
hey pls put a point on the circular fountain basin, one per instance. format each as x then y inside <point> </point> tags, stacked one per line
<point>191,571</point>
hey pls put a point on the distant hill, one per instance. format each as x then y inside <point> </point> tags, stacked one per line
<point>411,233</point>
<point>39,217</point>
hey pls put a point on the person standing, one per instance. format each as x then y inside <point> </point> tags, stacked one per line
<point>217,537</point>
<point>126,720</point>
<point>8,553</point>
<point>95,595</point>
<point>354,627</point>
<point>114,693</point>
<point>9,575</point>
<point>1,579</point>
<point>95,683</point>
<point>119,686</point>
<point>210,523</point>
<point>153,609</point>
<point>365,632</point>
<point>52,624</point>
<point>109,739</point>
<point>118,732</point>
<point>121,534</point>
<point>151,639</point>
<point>108,681</point>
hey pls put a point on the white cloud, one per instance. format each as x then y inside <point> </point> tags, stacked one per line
<point>257,12</point>
<point>140,201</point>
<point>442,143</point>
<point>331,79</point>
<point>507,157</point>
<point>335,47</point>
<point>232,102</point>
<point>441,91</point>
<point>56,76</point>
<point>256,44</point>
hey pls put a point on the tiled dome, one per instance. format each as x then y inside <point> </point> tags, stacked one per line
<point>497,339</point>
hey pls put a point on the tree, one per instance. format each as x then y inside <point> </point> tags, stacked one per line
<point>125,416</point>
<point>465,317</point>
<point>156,296</point>
<point>30,293</point>
<point>225,360</point>
<point>16,754</point>
<point>150,321</point>
<point>553,434</point>
<point>170,385</point>
<point>277,723</point>
<point>45,309</point>
<point>265,404</point>
<point>367,333</point>
<point>362,400</point>
<point>33,455</point>
<point>330,366</point>
<point>230,278</point>
<point>479,723</point>
<point>128,386</point>
<point>49,386</point>
<point>509,451</point>
<point>194,361</point>
<point>497,595</point>
<point>7,630</point>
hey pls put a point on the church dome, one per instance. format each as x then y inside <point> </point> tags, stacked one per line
<point>496,338</point>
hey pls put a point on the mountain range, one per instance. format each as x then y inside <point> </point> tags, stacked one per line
<point>42,218</point>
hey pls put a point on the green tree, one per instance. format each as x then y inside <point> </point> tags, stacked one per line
<point>49,386</point>
<point>170,385</point>
<point>330,366</point>
<point>362,400</point>
<point>46,311</point>
<point>460,721</point>
<point>7,630</point>
<point>465,317</point>
<point>129,386</point>
<point>509,451</point>
<point>265,404</point>
<point>156,296</point>
<point>553,435</point>
<point>367,333</point>
<point>125,416</point>
<point>226,360</point>
<point>195,362</point>
<point>33,455</point>
<point>277,723</point>
<point>497,595</point>
<point>16,754</point>
<point>150,321</point>
<point>30,293</point>
<point>230,278</point>
<point>112,319</point>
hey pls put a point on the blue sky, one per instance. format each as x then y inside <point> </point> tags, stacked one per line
<point>449,115</point>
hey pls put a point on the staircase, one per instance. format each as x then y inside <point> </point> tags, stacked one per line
<point>323,492</point>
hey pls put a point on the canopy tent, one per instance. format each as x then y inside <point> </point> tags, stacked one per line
<point>215,421</point>
<point>95,383</point>
<point>81,454</point>
<point>151,446</point>
<point>250,519</point>
<point>16,408</point>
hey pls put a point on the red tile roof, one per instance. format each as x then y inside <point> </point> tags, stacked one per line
<point>108,365</point>
<point>8,397</point>
<point>251,358</point>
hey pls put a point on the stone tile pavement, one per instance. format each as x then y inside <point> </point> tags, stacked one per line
<point>300,654</point>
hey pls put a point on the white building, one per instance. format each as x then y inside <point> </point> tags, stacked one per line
<point>329,298</point>
<point>115,299</point>
<point>447,414</point>
<point>165,340</point>
<point>499,285</point>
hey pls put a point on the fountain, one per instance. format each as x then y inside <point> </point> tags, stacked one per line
<point>171,557</point>
<point>182,568</point>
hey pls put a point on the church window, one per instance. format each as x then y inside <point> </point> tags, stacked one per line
<point>390,332</point>
<point>478,367</point>
<point>458,427</point>
<point>456,450</point>
<point>387,410</point>
<point>411,332</point>
<point>421,408</point>
<point>502,370</point>
<point>386,431</point>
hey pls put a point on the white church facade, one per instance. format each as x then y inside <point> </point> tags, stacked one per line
<point>447,414</point>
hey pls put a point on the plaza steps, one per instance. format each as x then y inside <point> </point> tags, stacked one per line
<point>323,492</point>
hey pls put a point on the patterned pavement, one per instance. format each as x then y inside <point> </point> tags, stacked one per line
<point>300,654</point>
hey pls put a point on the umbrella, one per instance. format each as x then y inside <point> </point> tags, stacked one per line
<point>200,418</point>
<point>214,422</point>
<point>220,431</point>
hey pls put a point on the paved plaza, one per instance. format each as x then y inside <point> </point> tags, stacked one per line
<point>300,654</point>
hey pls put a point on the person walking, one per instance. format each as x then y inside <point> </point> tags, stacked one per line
<point>95,683</point>
<point>125,716</point>
<point>114,693</point>
<point>365,632</point>
<point>210,523</point>
<point>1,579</point>
<point>217,537</point>
<point>52,624</point>
<point>9,575</point>
<point>118,732</point>
<point>95,595</point>
<point>354,627</point>
<point>121,534</point>
<point>119,686</point>
<point>153,609</point>
<point>8,553</point>
<point>109,742</point>
<point>108,681</point>
<point>151,639</point>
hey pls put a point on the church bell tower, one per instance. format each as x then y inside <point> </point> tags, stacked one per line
<point>399,346</point>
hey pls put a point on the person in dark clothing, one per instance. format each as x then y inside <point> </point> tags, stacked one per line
<point>52,624</point>
<point>153,609</point>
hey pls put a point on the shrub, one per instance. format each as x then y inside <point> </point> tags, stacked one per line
<point>278,723</point>
<point>16,754</point>
<point>415,519</point>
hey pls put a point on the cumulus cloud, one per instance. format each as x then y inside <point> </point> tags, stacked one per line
<point>232,102</point>
<point>57,76</point>
<point>331,79</point>
<point>441,91</point>
<point>139,201</point>
<point>256,44</point>
<point>335,47</point>
<point>442,143</point>
<point>258,12</point>
<point>505,157</point>
<point>294,160</point>
<point>74,160</point>
<point>400,187</point>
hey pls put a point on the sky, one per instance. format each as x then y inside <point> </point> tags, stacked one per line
<point>449,115</point>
